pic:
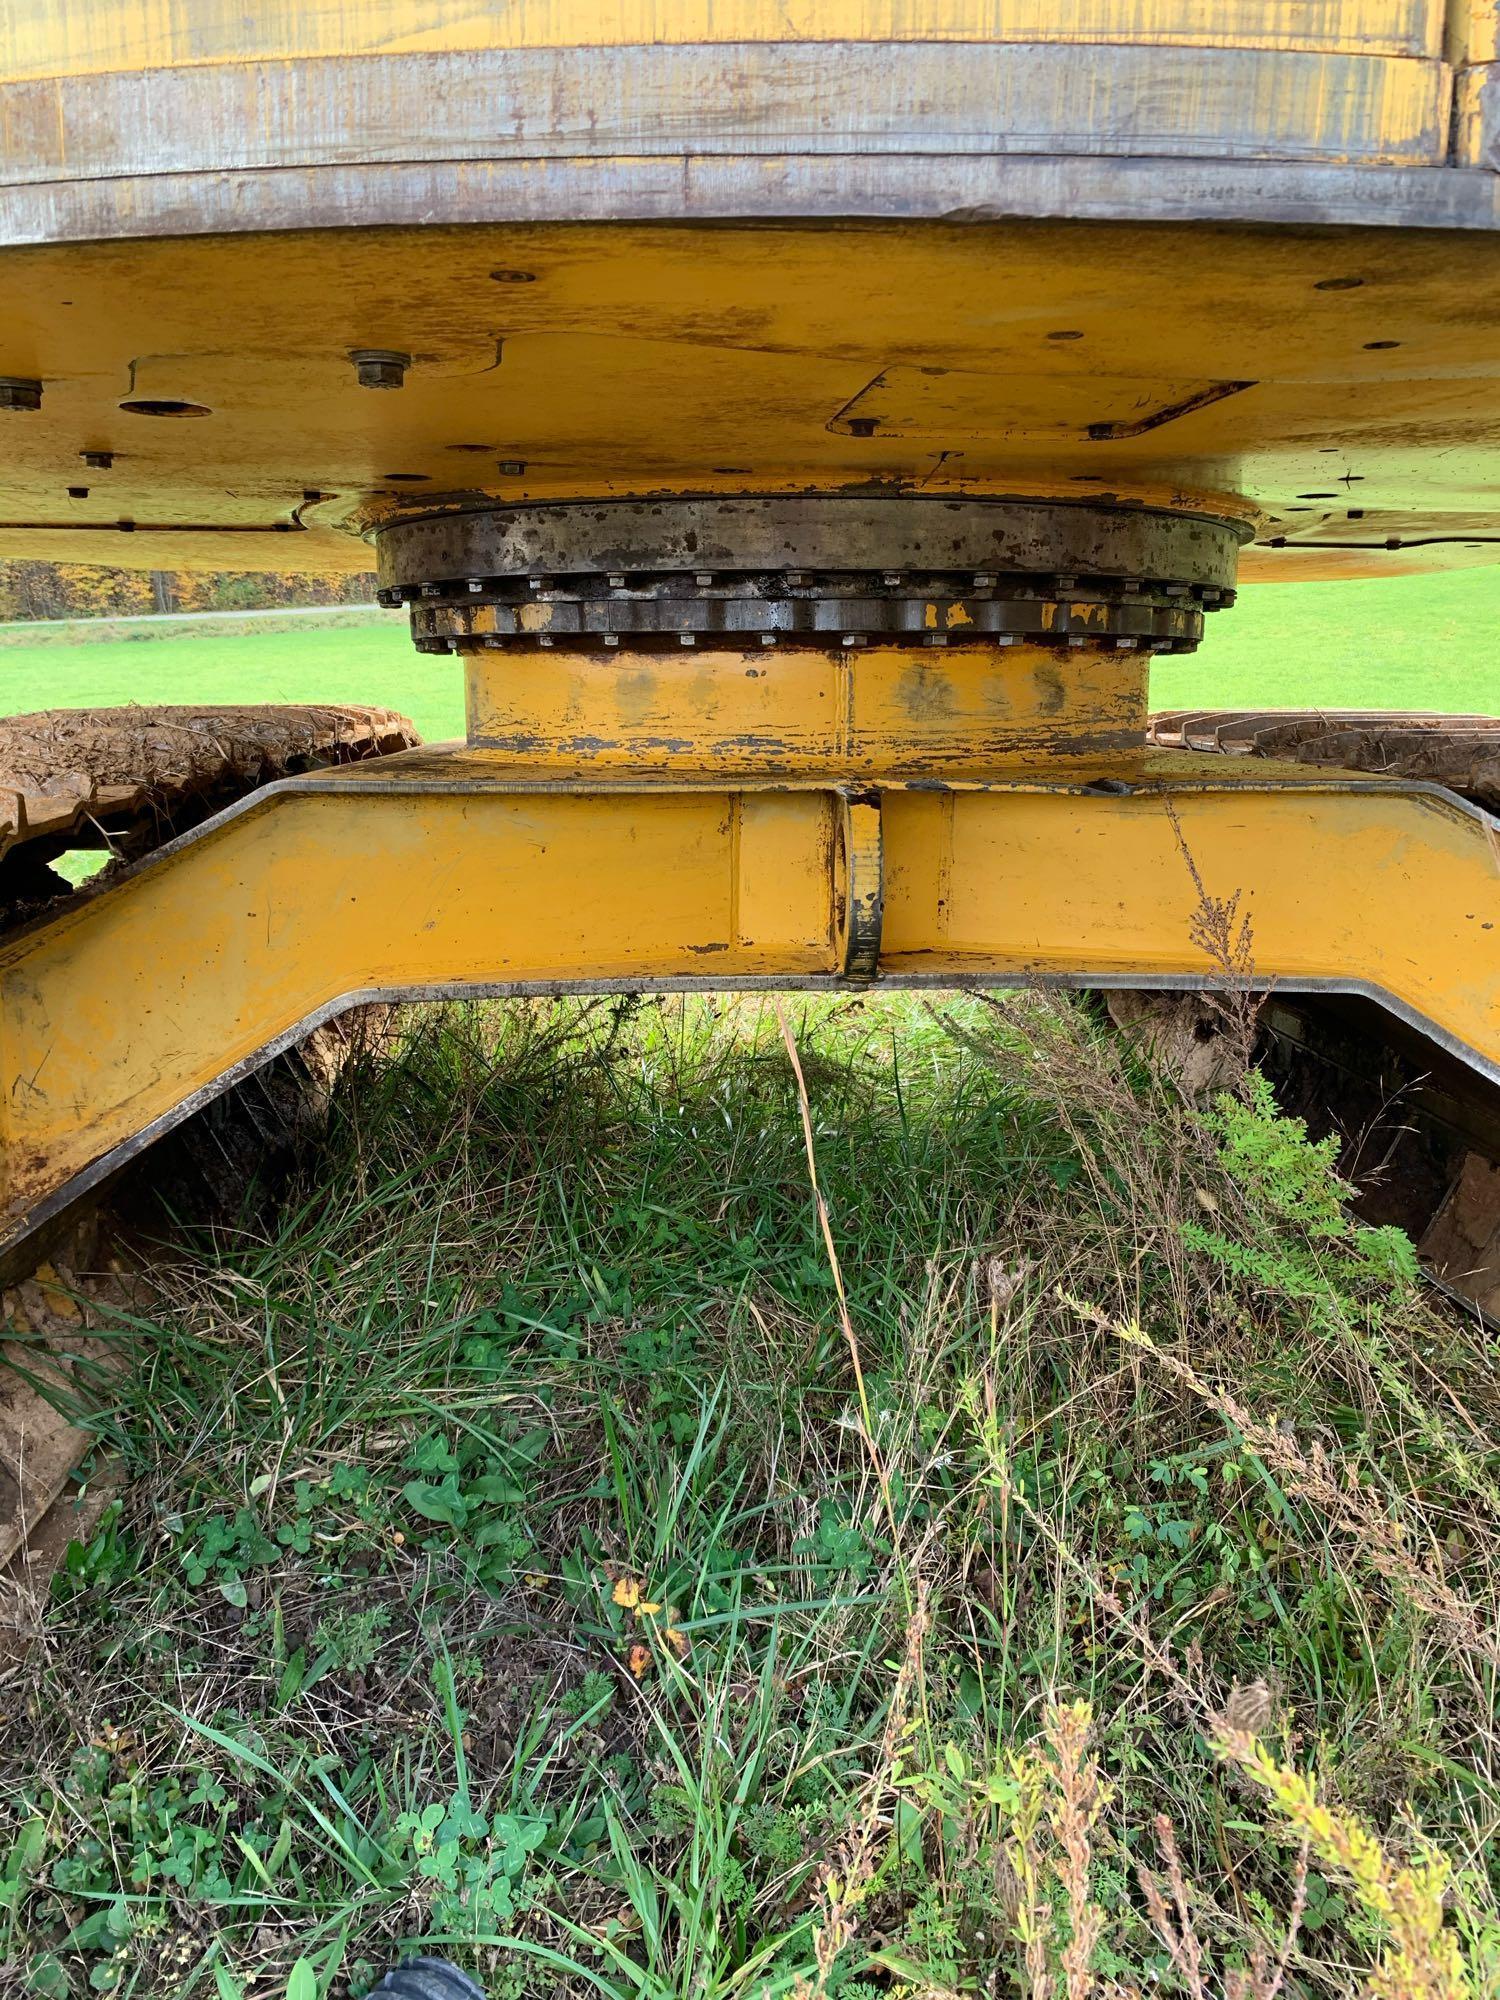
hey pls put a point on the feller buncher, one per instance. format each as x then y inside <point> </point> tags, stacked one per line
<point>802,425</point>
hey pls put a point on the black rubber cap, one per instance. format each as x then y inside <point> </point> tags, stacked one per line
<point>427,1979</point>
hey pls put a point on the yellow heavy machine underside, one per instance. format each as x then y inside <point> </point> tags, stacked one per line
<point>804,424</point>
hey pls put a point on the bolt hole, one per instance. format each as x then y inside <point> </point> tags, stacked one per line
<point>164,406</point>
<point>1338,284</point>
<point>1317,496</point>
<point>1066,333</point>
<point>514,277</point>
<point>406,478</point>
<point>1377,346</point>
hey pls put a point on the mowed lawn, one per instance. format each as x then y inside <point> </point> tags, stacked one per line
<point>1411,642</point>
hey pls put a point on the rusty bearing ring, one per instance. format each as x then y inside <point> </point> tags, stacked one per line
<point>813,572</point>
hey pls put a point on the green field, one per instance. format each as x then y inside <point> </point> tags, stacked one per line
<point>1414,642</point>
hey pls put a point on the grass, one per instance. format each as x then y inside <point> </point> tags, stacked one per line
<point>664,1506</point>
<point>649,1519</point>
<point>378,665</point>
<point>1411,642</point>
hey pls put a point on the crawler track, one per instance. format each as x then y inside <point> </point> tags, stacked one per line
<point>126,780</point>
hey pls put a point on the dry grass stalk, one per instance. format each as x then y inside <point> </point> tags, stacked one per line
<point>1422,1960</point>
<point>1080,1798</point>
<point>836,1270</point>
<point>1174,1927</point>
<point>1340,1503</point>
<point>1225,937</point>
<point>842,1882</point>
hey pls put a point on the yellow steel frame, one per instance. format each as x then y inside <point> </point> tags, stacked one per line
<point>459,871</point>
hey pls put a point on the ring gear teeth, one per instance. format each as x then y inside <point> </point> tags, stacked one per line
<point>527,614</point>
<point>813,571</point>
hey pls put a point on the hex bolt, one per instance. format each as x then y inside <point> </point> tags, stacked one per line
<point>17,392</point>
<point>380,367</point>
<point>101,461</point>
<point>512,467</point>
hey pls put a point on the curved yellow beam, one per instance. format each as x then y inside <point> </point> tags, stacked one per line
<point>447,872</point>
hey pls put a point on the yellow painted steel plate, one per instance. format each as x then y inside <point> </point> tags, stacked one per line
<point>41,38</point>
<point>1360,370</point>
<point>1476,117</point>
<point>444,871</point>
<point>1473,31</point>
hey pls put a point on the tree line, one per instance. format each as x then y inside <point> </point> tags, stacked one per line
<point>78,590</point>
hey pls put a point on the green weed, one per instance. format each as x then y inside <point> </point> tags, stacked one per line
<point>546,1543</point>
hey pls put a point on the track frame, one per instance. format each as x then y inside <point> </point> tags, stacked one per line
<point>448,873</point>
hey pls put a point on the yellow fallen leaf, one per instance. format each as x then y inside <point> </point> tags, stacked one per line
<point>54,1297</point>
<point>534,1581</point>
<point>627,1593</point>
<point>647,1610</point>
<point>638,1659</point>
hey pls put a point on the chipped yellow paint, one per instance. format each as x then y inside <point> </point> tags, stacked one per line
<point>63,37</point>
<point>1399,894</point>
<point>1473,31</point>
<point>1476,117</point>
<point>878,712</point>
